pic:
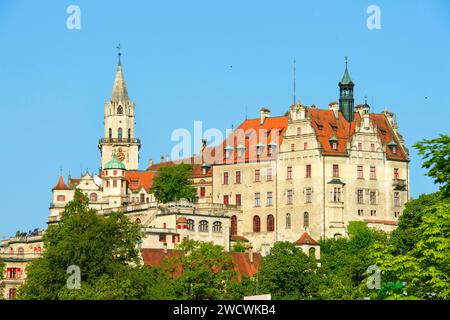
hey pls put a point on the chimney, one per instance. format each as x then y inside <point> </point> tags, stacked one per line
<point>150,162</point>
<point>167,157</point>
<point>250,254</point>
<point>334,106</point>
<point>265,113</point>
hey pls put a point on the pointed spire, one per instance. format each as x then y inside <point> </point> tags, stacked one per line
<point>119,92</point>
<point>60,185</point>
<point>346,77</point>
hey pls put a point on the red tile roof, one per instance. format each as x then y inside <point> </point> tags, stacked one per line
<point>196,162</point>
<point>241,260</point>
<point>60,185</point>
<point>139,179</point>
<point>251,133</point>
<point>326,125</point>
<point>305,238</point>
<point>386,222</point>
<point>235,237</point>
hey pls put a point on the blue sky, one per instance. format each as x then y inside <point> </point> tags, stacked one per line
<point>177,57</point>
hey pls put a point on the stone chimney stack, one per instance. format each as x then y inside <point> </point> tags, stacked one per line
<point>250,253</point>
<point>265,113</point>
<point>334,106</point>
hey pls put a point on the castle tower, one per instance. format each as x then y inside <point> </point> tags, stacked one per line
<point>346,100</point>
<point>114,183</point>
<point>119,126</point>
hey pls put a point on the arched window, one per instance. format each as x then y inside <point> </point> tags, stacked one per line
<point>119,133</point>
<point>217,226</point>
<point>138,221</point>
<point>120,110</point>
<point>190,224</point>
<point>129,133</point>
<point>20,251</point>
<point>306,220</point>
<point>203,226</point>
<point>93,196</point>
<point>337,235</point>
<point>233,225</point>
<point>288,220</point>
<point>110,133</point>
<point>270,223</point>
<point>312,252</point>
<point>256,224</point>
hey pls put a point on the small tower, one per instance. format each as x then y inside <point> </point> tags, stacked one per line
<point>119,122</point>
<point>114,183</point>
<point>346,100</point>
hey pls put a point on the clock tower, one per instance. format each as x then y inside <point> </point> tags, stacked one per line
<point>119,125</point>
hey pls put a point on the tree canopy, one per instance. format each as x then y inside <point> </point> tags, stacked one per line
<point>173,183</point>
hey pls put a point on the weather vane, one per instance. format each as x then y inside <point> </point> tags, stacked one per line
<point>118,49</point>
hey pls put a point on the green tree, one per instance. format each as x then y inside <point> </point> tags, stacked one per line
<point>173,183</point>
<point>288,273</point>
<point>2,272</point>
<point>98,245</point>
<point>345,260</point>
<point>239,246</point>
<point>207,272</point>
<point>436,155</point>
<point>425,269</point>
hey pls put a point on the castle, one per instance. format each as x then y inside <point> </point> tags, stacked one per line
<point>297,177</point>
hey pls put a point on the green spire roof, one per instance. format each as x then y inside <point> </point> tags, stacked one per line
<point>114,163</point>
<point>333,139</point>
<point>392,144</point>
<point>346,77</point>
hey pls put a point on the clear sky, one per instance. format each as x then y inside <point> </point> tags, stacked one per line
<point>201,60</point>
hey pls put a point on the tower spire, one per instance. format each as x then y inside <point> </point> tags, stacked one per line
<point>118,53</point>
<point>346,100</point>
<point>120,92</point>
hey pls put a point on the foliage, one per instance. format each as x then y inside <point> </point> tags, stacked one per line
<point>345,260</point>
<point>436,155</point>
<point>288,273</point>
<point>173,183</point>
<point>425,269</point>
<point>98,245</point>
<point>133,283</point>
<point>239,246</point>
<point>207,272</point>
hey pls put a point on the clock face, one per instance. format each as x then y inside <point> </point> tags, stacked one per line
<point>120,155</point>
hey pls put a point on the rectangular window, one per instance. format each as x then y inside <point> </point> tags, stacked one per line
<point>269,151</point>
<point>308,171</point>
<point>142,195</point>
<point>238,199</point>
<point>360,172</point>
<point>289,196</point>
<point>397,199</point>
<point>360,212</point>
<point>12,293</point>
<point>335,170</point>
<point>257,175</point>
<point>269,198</point>
<point>292,147</point>
<point>373,213</point>
<point>289,173</point>
<point>225,178</point>
<point>162,238</point>
<point>114,183</point>
<point>373,197</point>
<point>202,191</point>
<point>308,192</point>
<point>299,131</point>
<point>257,199</point>
<point>372,147</point>
<point>360,196</point>
<point>238,177</point>
<point>359,146</point>
<point>335,195</point>
<point>226,199</point>
<point>305,146</point>
<point>396,173</point>
<point>373,174</point>
<point>269,174</point>
<point>61,198</point>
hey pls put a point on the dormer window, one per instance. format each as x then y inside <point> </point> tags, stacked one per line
<point>334,145</point>
<point>240,150</point>
<point>259,148</point>
<point>333,142</point>
<point>394,150</point>
<point>228,151</point>
<point>271,147</point>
